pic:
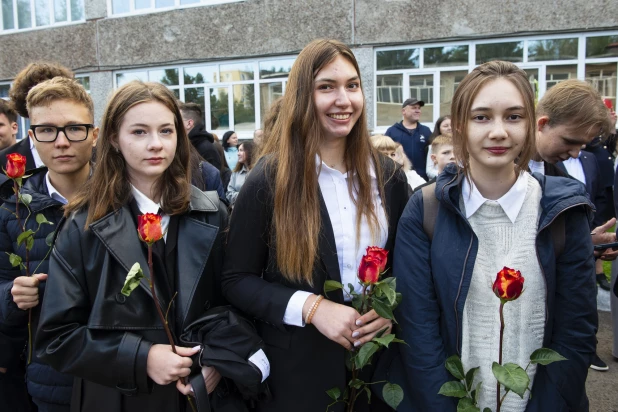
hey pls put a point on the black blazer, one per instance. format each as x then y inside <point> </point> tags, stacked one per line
<point>594,188</point>
<point>92,331</point>
<point>304,363</point>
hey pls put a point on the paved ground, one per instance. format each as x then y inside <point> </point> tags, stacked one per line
<point>602,387</point>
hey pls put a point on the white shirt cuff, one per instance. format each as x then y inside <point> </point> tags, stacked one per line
<point>294,311</point>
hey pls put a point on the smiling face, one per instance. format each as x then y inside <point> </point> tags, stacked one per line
<point>147,141</point>
<point>411,113</point>
<point>338,98</point>
<point>560,142</point>
<point>241,154</point>
<point>63,156</point>
<point>496,130</point>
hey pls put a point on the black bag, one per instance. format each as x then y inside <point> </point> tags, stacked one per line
<point>227,340</point>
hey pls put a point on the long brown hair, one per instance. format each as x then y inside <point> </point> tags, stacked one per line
<point>109,188</point>
<point>293,144</point>
<point>462,104</point>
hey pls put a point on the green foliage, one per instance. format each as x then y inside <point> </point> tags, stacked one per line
<point>14,259</point>
<point>393,395</point>
<point>383,309</point>
<point>365,353</point>
<point>331,285</point>
<point>545,356</point>
<point>384,340</point>
<point>453,389</point>
<point>466,405</point>
<point>388,291</point>
<point>334,393</point>
<point>132,280</point>
<point>356,383</point>
<point>49,239</point>
<point>26,199</point>
<point>512,376</point>
<point>470,377</point>
<point>455,367</point>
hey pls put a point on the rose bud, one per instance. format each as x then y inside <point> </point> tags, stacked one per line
<point>15,165</point>
<point>149,227</point>
<point>369,270</point>
<point>380,254</point>
<point>509,284</point>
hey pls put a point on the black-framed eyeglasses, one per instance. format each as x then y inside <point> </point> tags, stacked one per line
<point>73,132</point>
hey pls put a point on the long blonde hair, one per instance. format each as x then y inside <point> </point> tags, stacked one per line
<point>292,146</point>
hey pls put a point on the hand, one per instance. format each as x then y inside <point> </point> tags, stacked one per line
<point>25,290</point>
<point>601,236</point>
<point>2,370</point>
<point>370,324</point>
<point>335,321</point>
<point>164,366</point>
<point>211,378</point>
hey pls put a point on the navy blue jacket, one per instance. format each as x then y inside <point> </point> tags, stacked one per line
<point>414,144</point>
<point>434,278</point>
<point>44,383</point>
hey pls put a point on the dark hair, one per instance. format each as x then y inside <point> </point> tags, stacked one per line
<point>29,77</point>
<point>436,129</point>
<point>7,110</point>
<point>109,188</point>
<point>293,144</point>
<point>248,147</point>
<point>225,138</point>
<point>192,111</point>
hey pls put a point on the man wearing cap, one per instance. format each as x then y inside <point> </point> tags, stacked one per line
<point>412,135</point>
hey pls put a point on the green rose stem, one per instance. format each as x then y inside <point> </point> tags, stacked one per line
<point>151,281</point>
<point>353,394</point>
<point>498,400</point>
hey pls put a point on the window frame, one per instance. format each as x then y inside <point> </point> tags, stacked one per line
<point>52,18</point>
<point>153,9</point>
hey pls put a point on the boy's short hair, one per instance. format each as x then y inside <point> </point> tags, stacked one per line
<point>59,88</point>
<point>383,143</point>
<point>441,140</point>
<point>7,110</point>
<point>192,111</point>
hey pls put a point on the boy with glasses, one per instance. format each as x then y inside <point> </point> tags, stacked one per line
<point>62,115</point>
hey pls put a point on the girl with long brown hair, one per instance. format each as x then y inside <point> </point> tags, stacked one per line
<point>113,344</point>
<point>310,207</point>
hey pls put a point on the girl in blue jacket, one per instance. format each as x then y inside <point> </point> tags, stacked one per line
<point>493,213</point>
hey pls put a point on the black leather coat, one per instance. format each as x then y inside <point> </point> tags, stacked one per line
<point>90,330</point>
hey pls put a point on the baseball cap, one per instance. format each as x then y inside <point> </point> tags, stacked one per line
<point>412,101</point>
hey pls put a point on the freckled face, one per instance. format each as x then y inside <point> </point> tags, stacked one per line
<point>338,98</point>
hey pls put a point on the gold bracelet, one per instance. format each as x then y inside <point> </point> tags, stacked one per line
<point>314,307</point>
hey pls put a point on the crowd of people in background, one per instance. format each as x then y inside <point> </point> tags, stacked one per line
<point>252,229</point>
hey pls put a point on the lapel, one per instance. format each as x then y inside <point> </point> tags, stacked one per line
<point>118,233</point>
<point>327,248</point>
<point>589,174</point>
<point>392,217</point>
<point>560,166</point>
<point>24,150</point>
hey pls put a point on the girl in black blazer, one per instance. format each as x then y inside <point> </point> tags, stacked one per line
<point>316,200</point>
<point>115,345</point>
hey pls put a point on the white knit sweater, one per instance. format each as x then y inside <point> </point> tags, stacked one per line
<point>503,243</point>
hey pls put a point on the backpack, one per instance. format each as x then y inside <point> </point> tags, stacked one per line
<point>430,213</point>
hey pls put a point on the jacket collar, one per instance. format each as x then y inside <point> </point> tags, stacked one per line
<point>116,234</point>
<point>33,185</point>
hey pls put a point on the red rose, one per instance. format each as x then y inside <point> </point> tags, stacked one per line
<point>509,284</point>
<point>15,165</point>
<point>149,227</point>
<point>369,270</point>
<point>380,254</point>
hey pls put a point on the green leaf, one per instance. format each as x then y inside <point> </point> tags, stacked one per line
<point>391,281</point>
<point>331,285</point>
<point>26,199</point>
<point>23,236</point>
<point>389,292</point>
<point>545,356</point>
<point>384,340</point>
<point>393,395</point>
<point>350,358</point>
<point>512,376</point>
<point>351,288</point>
<point>40,219</point>
<point>466,405</point>
<point>470,377</point>
<point>486,410</point>
<point>454,389</point>
<point>477,393</point>
<point>368,392</point>
<point>357,302</point>
<point>455,367</point>
<point>132,280</point>
<point>356,383</point>
<point>14,259</point>
<point>334,393</point>
<point>382,309</point>
<point>365,353</point>
<point>29,242</point>
<point>49,239</point>
<point>380,333</point>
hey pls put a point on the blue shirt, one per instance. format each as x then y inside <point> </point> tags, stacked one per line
<point>414,142</point>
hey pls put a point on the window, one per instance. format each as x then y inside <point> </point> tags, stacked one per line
<point>31,14</point>
<point>128,7</point>
<point>432,72</point>
<point>233,95</point>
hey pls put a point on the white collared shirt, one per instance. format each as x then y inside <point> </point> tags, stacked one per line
<point>145,205</point>
<point>511,202</point>
<point>536,167</point>
<point>575,169</point>
<point>342,213</point>
<point>53,193</point>
<point>35,155</point>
